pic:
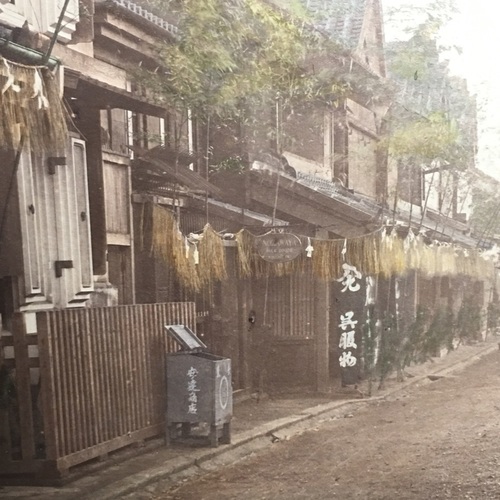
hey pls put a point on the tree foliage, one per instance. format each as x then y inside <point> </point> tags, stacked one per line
<point>424,138</point>
<point>485,217</point>
<point>232,51</point>
<point>436,116</point>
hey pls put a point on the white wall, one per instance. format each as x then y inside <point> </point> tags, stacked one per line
<point>42,16</point>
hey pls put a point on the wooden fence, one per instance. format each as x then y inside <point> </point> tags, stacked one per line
<point>101,386</point>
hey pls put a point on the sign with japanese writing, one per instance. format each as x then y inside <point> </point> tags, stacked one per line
<point>349,292</point>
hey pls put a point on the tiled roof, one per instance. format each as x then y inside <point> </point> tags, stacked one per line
<point>341,19</point>
<point>339,192</point>
<point>436,226</point>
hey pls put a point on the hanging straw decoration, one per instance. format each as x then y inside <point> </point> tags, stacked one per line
<point>196,264</point>
<point>168,244</point>
<point>428,261</point>
<point>413,245</point>
<point>365,252</point>
<point>212,265</point>
<point>201,260</point>
<point>447,260</point>
<point>393,259</point>
<point>246,253</point>
<point>30,104</point>
<point>252,265</point>
<point>327,260</point>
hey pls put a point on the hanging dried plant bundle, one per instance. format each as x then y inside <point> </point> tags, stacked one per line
<point>31,105</point>
<point>252,265</point>
<point>365,251</point>
<point>168,244</point>
<point>296,266</point>
<point>413,246</point>
<point>201,261</point>
<point>447,260</point>
<point>197,263</point>
<point>327,259</point>
<point>212,256</point>
<point>428,261</point>
<point>440,259</point>
<point>392,259</point>
<point>246,253</point>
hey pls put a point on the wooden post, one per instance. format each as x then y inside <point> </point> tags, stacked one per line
<point>5,438</point>
<point>23,387</point>
<point>244,325</point>
<point>322,329</point>
<point>229,312</point>
<point>47,394</point>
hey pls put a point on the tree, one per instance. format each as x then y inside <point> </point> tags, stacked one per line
<point>231,56</point>
<point>440,123</point>
<point>245,66</point>
<point>432,123</point>
<point>485,219</point>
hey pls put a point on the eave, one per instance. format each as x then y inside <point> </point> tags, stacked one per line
<point>103,95</point>
<point>342,215</point>
<point>160,161</point>
<point>242,216</point>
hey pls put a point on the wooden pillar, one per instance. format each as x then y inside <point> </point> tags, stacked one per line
<point>229,321</point>
<point>23,388</point>
<point>322,329</point>
<point>90,125</point>
<point>244,307</point>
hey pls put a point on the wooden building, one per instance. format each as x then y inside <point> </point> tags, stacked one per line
<point>83,298</point>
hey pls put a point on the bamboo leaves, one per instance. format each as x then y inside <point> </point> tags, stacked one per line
<point>427,139</point>
<point>234,50</point>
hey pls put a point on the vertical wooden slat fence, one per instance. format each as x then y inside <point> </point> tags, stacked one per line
<point>102,373</point>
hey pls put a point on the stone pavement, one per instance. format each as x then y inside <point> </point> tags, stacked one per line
<point>256,424</point>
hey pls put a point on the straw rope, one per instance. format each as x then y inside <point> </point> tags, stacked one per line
<point>30,104</point>
<point>202,260</point>
<point>382,252</point>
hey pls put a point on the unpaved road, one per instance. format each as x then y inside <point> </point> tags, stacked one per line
<point>439,440</point>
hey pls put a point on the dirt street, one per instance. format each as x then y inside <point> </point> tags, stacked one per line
<point>439,440</point>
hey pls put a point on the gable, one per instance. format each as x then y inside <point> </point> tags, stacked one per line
<point>342,20</point>
<point>356,24</point>
<point>370,47</point>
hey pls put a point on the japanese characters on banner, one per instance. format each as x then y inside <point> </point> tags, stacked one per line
<point>350,298</point>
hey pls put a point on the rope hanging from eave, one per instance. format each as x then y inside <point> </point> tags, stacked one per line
<point>30,105</point>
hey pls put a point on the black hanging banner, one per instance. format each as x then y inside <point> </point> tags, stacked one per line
<point>350,297</point>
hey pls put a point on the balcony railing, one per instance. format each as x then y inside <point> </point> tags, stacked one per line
<point>146,14</point>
